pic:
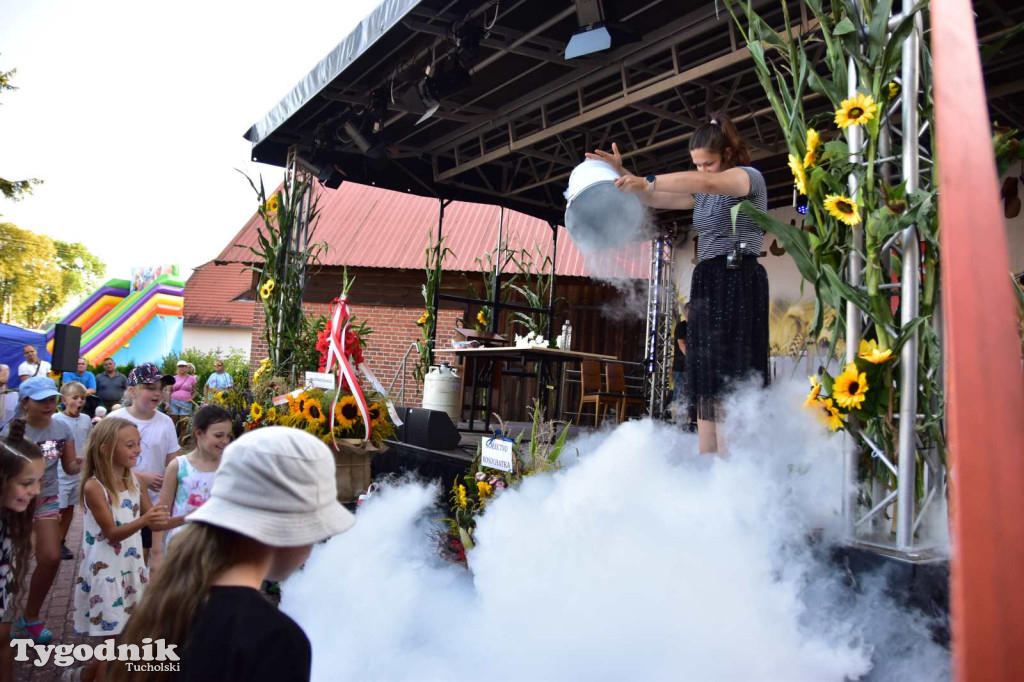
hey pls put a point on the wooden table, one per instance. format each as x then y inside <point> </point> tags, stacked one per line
<point>549,362</point>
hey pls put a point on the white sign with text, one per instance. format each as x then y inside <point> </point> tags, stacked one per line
<point>496,453</point>
<point>324,380</point>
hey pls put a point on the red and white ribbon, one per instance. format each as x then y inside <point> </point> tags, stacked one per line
<point>337,353</point>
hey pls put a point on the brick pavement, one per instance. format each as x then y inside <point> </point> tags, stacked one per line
<point>56,612</point>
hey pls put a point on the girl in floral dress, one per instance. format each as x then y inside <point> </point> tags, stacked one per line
<point>188,478</point>
<point>112,575</point>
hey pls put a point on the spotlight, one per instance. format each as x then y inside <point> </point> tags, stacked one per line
<point>327,173</point>
<point>467,43</point>
<point>595,34</point>
<point>369,144</point>
<point>429,98</point>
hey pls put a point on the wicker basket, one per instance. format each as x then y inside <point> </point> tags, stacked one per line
<point>352,467</point>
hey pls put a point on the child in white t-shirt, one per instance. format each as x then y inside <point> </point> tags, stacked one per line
<point>159,443</point>
<point>73,396</point>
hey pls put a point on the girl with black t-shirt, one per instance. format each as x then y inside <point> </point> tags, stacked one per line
<point>273,497</point>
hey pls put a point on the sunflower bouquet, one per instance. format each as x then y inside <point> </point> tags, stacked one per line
<point>310,410</point>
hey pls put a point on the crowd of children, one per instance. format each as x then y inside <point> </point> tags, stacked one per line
<point>253,510</point>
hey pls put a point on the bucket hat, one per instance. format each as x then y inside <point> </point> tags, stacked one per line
<point>276,485</point>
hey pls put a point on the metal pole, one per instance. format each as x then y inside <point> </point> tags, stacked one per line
<point>499,261</point>
<point>650,361</point>
<point>554,272</point>
<point>432,343</point>
<point>909,301</point>
<point>855,264</point>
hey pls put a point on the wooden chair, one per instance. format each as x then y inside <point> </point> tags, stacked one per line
<point>590,391</point>
<point>488,379</point>
<point>615,380</point>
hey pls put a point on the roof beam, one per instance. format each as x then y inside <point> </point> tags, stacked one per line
<point>686,28</point>
<point>665,85</point>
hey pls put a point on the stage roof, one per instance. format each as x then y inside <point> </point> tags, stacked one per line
<point>512,135</point>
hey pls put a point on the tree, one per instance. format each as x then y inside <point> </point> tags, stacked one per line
<point>14,189</point>
<point>38,275</point>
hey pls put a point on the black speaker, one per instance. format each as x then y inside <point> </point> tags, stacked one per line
<point>430,429</point>
<point>66,340</point>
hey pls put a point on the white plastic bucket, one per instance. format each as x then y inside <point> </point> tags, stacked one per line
<point>442,390</point>
<point>599,216</point>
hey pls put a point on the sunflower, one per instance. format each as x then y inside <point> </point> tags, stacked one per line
<point>313,411</point>
<point>799,175</point>
<point>256,412</point>
<point>296,406</point>
<point>812,397</point>
<point>271,415</point>
<point>481,318</point>
<point>850,387</point>
<point>347,412</point>
<point>813,139</point>
<point>856,110</point>
<point>829,415</point>
<point>264,367</point>
<point>273,203</point>
<point>267,289</point>
<point>842,208</point>
<point>870,351</point>
<point>378,414</point>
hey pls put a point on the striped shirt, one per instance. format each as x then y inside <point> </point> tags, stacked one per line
<point>712,218</point>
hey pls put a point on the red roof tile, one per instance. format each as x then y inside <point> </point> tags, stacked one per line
<point>211,293</point>
<point>370,227</point>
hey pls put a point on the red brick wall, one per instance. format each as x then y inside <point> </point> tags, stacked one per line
<point>394,330</point>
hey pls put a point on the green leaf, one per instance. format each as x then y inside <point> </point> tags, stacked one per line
<point>843,27</point>
<point>858,297</point>
<point>794,240</point>
<point>878,29</point>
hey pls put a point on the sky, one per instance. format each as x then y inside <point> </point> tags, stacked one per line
<point>132,113</point>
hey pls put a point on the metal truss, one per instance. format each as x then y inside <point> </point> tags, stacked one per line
<point>660,317</point>
<point>906,504</point>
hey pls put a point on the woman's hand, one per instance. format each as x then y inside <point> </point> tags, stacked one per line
<point>612,158</point>
<point>631,184</point>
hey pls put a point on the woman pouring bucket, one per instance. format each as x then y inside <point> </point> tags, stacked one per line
<point>727,337</point>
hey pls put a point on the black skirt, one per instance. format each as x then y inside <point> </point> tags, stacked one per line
<point>727,335</point>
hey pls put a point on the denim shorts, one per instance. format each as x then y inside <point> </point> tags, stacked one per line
<point>180,408</point>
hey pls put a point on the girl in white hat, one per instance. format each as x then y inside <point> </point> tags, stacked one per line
<point>274,496</point>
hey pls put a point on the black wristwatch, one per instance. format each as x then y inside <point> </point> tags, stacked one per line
<point>650,182</point>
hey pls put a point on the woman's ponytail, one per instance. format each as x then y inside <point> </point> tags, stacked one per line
<point>16,431</point>
<point>720,136</point>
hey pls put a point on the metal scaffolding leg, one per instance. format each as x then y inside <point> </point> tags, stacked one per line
<point>909,302</point>
<point>855,266</point>
<point>660,302</point>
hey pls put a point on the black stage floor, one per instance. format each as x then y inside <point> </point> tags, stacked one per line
<point>401,458</point>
